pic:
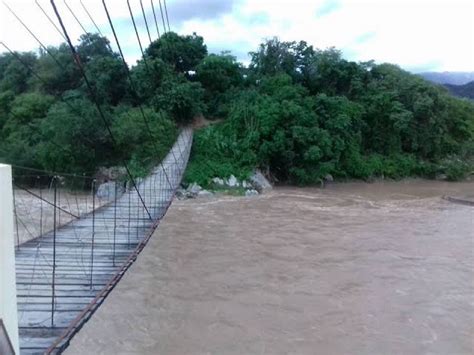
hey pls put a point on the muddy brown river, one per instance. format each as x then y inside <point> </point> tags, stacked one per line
<point>382,268</point>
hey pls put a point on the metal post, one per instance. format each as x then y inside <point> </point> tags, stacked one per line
<point>41,206</point>
<point>8,302</point>
<point>137,218</point>
<point>93,232</point>
<point>59,204</point>
<point>86,210</point>
<point>129,216</point>
<point>16,220</point>
<point>115,222</point>
<point>53,282</point>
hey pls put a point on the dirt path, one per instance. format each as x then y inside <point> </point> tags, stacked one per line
<point>384,268</point>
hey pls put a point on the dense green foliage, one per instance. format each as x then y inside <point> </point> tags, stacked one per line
<point>303,113</point>
<point>49,120</point>
<point>297,113</point>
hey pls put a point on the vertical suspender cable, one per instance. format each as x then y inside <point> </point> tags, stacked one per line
<point>96,103</point>
<point>132,85</point>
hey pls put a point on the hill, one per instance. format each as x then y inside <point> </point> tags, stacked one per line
<point>466,90</point>
<point>452,78</point>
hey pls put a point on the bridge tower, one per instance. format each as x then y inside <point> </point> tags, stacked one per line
<point>8,302</point>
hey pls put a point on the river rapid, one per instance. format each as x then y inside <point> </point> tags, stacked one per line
<point>354,268</point>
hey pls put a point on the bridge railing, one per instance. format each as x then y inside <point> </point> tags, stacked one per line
<point>44,201</point>
<point>73,233</point>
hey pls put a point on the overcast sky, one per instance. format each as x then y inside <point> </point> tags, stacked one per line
<point>418,35</point>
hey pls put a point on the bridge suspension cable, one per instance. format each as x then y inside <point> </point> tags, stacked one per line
<point>146,22</point>
<point>91,18</point>
<point>95,101</point>
<point>154,16</point>
<point>167,18</point>
<point>162,16</point>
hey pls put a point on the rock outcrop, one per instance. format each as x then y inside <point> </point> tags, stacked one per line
<point>107,190</point>
<point>260,182</point>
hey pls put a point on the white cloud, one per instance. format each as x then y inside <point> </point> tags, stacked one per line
<point>18,38</point>
<point>416,34</point>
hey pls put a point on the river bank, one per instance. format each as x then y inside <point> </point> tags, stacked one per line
<point>359,268</point>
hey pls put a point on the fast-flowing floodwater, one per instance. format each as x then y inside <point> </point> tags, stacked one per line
<point>382,268</point>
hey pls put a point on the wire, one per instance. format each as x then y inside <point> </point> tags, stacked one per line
<point>132,84</point>
<point>136,32</point>
<point>154,16</point>
<point>34,36</point>
<point>90,17</point>
<point>99,109</point>
<point>50,173</point>
<point>17,57</point>
<point>50,20</point>
<point>75,17</point>
<point>95,25</point>
<point>146,22</point>
<point>143,55</point>
<point>167,19</point>
<point>162,16</point>
<point>42,199</point>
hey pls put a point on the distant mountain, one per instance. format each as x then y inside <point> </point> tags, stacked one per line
<point>452,78</point>
<point>466,90</point>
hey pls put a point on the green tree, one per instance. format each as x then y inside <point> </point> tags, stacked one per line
<point>218,73</point>
<point>92,45</point>
<point>183,53</point>
<point>274,56</point>
<point>221,76</point>
<point>15,76</point>
<point>143,148</point>
<point>108,78</point>
<point>183,100</point>
<point>74,139</point>
<point>20,132</point>
<point>149,76</point>
<point>57,70</point>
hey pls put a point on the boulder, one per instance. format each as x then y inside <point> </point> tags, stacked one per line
<point>194,188</point>
<point>112,173</point>
<point>232,181</point>
<point>251,192</point>
<point>181,194</point>
<point>329,178</point>
<point>218,181</point>
<point>107,190</point>
<point>260,182</point>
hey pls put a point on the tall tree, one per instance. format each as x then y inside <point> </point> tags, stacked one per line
<point>183,53</point>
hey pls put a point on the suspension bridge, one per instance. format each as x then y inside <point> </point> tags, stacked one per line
<point>76,235</point>
<point>64,274</point>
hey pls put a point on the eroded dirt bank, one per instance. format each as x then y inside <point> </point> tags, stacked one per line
<point>383,268</point>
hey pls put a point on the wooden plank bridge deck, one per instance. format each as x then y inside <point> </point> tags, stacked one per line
<point>91,254</point>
